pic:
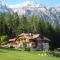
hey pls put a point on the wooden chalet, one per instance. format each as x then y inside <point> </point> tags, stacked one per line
<point>31,40</point>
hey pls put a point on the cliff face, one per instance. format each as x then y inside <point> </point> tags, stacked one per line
<point>52,15</point>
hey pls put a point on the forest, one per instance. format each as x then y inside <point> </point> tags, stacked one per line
<point>12,24</point>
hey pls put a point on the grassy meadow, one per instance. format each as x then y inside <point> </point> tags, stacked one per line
<point>12,54</point>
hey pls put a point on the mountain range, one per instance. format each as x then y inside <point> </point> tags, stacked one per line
<point>29,8</point>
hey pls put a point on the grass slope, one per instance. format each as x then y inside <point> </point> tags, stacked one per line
<point>11,54</point>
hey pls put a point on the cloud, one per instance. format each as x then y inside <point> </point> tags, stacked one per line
<point>20,5</point>
<point>58,5</point>
<point>14,6</point>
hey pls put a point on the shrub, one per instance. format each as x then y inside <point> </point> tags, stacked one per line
<point>3,38</point>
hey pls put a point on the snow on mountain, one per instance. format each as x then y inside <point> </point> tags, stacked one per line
<point>55,13</point>
<point>4,7</point>
<point>28,8</point>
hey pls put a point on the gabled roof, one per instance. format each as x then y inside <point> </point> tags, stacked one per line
<point>32,36</point>
<point>12,39</point>
<point>29,36</point>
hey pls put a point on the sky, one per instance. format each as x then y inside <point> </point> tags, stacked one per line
<point>48,3</point>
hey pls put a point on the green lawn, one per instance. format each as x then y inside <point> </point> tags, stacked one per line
<point>11,54</point>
